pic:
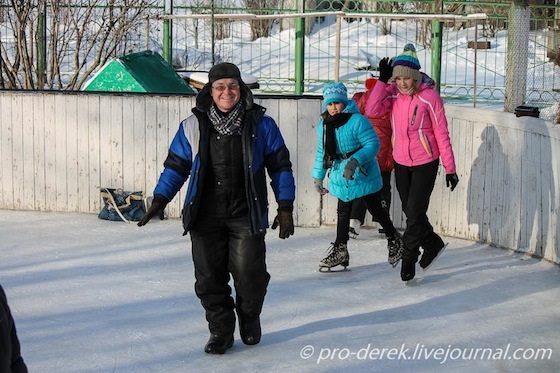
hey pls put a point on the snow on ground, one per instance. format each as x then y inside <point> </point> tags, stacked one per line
<point>97,296</point>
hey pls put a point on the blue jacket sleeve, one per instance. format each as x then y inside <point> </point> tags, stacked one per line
<point>318,171</point>
<point>177,166</point>
<point>279,166</point>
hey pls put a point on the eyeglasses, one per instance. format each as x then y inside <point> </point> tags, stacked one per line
<point>231,87</point>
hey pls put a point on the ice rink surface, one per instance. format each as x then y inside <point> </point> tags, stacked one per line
<point>95,296</point>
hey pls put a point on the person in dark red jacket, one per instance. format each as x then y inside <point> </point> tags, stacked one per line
<point>10,352</point>
<point>383,129</point>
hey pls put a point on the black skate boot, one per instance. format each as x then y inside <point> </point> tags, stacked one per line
<point>354,230</point>
<point>408,270</point>
<point>338,255</point>
<point>395,246</point>
<point>429,257</point>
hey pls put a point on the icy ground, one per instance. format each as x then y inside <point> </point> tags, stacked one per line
<point>96,296</point>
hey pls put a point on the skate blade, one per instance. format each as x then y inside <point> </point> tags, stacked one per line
<point>415,281</point>
<point>395,264</point>
<point>331,269</point>
<point>436,258</point>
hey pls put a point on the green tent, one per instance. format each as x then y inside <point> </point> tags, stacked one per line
<point>144,71</point>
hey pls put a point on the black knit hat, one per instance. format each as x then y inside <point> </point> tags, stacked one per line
<point>222,71</point>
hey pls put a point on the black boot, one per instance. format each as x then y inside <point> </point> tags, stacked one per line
<point>218,344</point>
<point>250,330</point>
<point>408,270</point>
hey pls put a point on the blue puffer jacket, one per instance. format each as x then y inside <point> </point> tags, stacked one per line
<point>355,135</point>
<point>264,150</point>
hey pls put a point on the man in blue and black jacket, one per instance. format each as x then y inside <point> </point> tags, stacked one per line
<point>224,150</point>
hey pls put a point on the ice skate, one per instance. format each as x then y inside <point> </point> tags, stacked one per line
<point>354,230</point>
<point>408,270</point>
<point>395,246</point>
<point>338,256</point>
<point>429,258</point>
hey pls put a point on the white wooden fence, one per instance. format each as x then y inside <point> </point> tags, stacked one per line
<point>57,149</point>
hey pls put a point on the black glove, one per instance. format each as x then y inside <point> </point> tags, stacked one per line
<point>350,169</point>
<point>451,180</point>
<point>385,69</point>
<point>285,220</point>
<point>158,205</point>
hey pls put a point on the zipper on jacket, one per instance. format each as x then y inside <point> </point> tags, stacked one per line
<point>414,116</point>
<point>407,135</point>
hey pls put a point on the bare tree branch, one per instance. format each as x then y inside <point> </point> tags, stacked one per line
<point>81,38</point>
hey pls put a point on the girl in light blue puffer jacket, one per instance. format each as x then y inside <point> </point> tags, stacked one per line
<point>346,151</point>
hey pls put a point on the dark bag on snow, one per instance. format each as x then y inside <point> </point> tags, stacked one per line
<point>527,111</point>
<point>119,205</point>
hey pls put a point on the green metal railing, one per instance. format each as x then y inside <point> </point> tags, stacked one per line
<point>489,85</point>
<point>310,41</point>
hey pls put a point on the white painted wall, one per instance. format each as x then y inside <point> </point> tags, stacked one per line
<point>58,148</point>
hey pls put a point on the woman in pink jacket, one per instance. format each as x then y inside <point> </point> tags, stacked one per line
<point>420,139</point>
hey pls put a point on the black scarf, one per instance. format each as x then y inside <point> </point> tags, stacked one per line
<point>230,123</point>
<point>329,139</point>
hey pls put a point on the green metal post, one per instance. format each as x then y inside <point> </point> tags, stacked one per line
<point>213,33</point>
<point>300,51</point>
<point>437,28</point>
<point>41,48</point>
<point>437,40</point>
<point>168,33</point>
